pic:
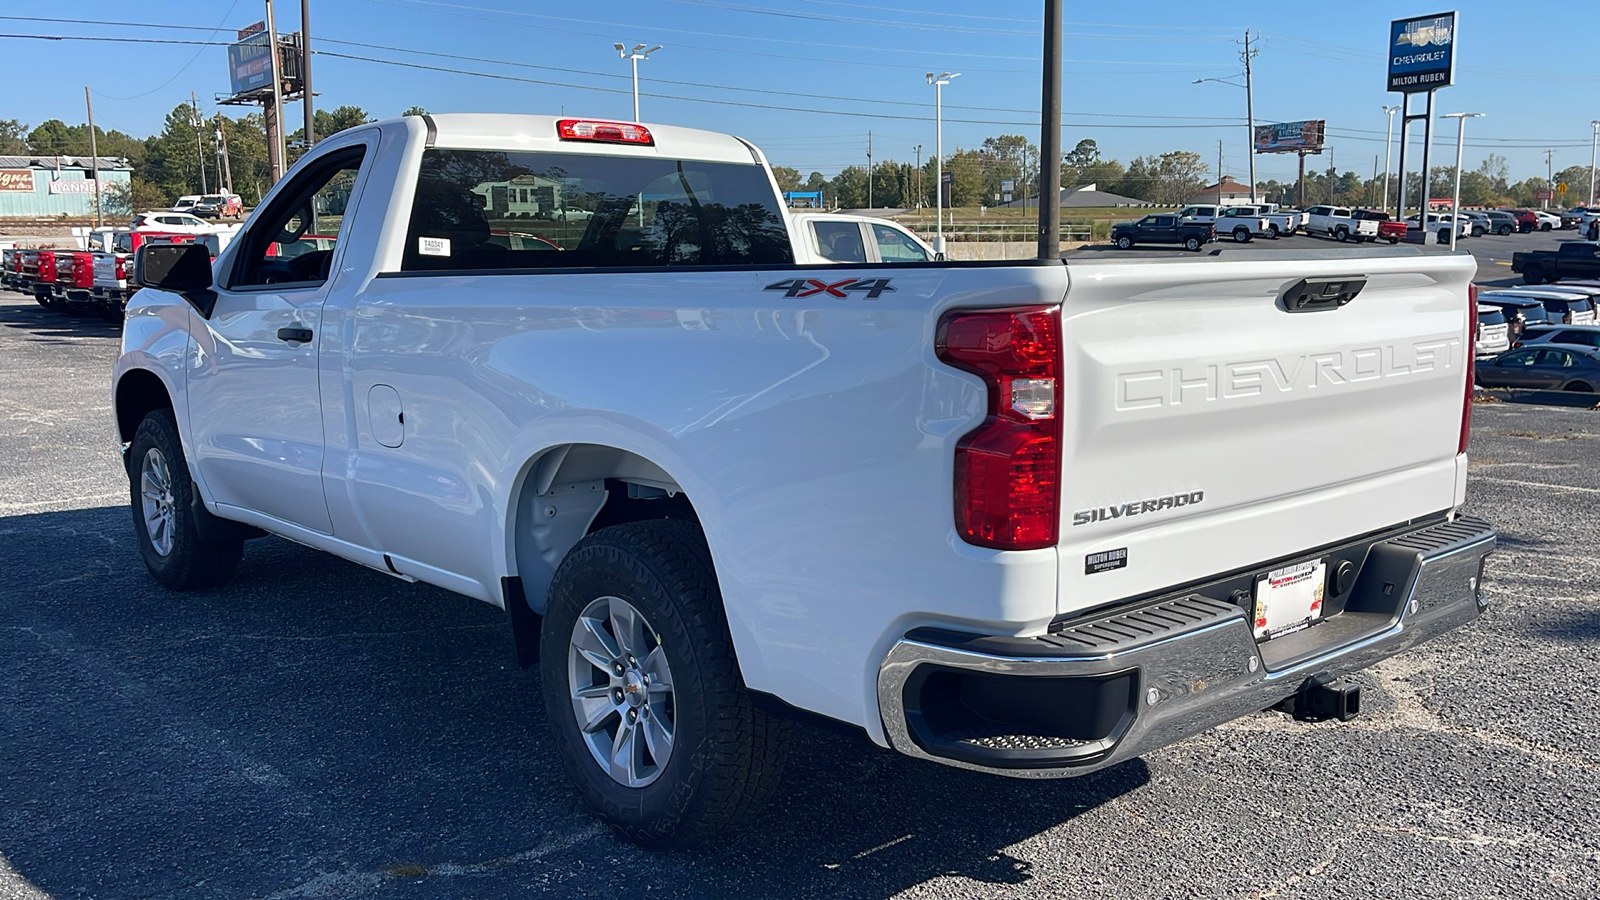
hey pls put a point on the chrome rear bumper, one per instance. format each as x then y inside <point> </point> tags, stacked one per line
<point>1106,690</point>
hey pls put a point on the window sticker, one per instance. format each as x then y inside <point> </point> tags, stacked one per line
<point>432,246</point>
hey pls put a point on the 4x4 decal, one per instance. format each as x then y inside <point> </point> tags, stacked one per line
<point>807,287</point>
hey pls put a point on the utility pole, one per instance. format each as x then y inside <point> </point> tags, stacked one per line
<point>869,169</point>
<point>305,72</point>
<point>199,146</point>
<point>1250,112</point>
<point>94,156</point>
<point>1594,144</point>
<point>222,151</point>
<point>1374,177</point>
<point>1050,136</point>
<point>1219,162</point>
<point>277,153</point>
<point>918,148</point>
<point>1550,176</point>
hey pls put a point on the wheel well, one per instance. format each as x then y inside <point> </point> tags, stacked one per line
<point>572,491</point>
<point>139,393</point>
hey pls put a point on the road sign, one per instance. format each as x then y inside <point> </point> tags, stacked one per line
<point>1561,188</point>
<point>1543,195</point>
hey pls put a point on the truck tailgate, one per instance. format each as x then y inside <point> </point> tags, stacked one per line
<point>1208,430</point>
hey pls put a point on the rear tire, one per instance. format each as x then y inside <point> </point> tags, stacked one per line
<point>163,503</point>
<point>1192,243</point>
<point>1273,232</point>
<point>1242,235</point>
<point>1581,387</point>
<point>723,758</point>
<point>1503,230</point>
<point>1444,235</point>
<point>1544,226</point>
<point>1341,235</point>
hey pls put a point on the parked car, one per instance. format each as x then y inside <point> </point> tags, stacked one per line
<point>1520,312</point>
<point>1570,221</point>
<point>1388,229</point>
<point>1340,223</point>
<point>1573,259</point>
<point>1162,228</point>
<point>1545,368</point>
<point>1242,223</point>
<point>111,290</point>
<point>840,238</point>
<point>1548,221</point>
<point>1561,307</point>
<point>185,203</point>
<point>1477,222</point>
<point>1575,335</point>
<point>1500,221</point>
<point>993,515</point>
<point>1526,220</point>
<point>161,220</point>
<point>1494,335</point>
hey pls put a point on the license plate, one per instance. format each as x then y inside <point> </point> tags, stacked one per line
<point>1289,599</point>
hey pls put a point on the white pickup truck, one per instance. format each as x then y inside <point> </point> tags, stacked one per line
<point>841,238</point>
<point>1280,223</point>
<point>1029,518</point>
<point>1242,222</point>
<point>1340,223</point>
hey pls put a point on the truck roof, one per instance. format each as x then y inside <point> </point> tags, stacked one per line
<point>506,131</point>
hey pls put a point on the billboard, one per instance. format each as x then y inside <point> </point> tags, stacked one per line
<point>16,180</point>
<point>1289,137</point>
<point>1422,53</point>
<point>250,64</point>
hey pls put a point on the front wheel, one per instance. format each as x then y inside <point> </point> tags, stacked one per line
<point>1124,243</point>
<point>1192,243</point>
<point>166,512</point>
<point>1544,226</point>
<point>1533,273</point>
<point>651,717</point>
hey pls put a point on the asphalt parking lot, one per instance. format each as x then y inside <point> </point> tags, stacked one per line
<point>319,730</point>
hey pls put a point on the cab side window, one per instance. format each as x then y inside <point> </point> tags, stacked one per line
<point>895,245</point>
<point>292,242</point>
<point>840,241</point>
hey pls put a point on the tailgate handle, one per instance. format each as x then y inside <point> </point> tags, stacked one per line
<point>1313,294</point>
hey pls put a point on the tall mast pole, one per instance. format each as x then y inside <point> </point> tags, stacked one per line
<point>94,155</point>
<point>1050,136</point>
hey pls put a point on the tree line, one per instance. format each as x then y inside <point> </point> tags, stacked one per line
<point>168,164</point>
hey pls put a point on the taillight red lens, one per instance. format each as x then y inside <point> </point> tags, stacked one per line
<point>604,132</point>
<point>121,272</point>
<point>1008,469</point>
<point>1472,349</point>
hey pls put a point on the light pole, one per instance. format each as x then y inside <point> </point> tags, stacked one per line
<point>637,53</point>
<point>1250,146</point>
<point>1388,145</point>
<point>939,81</point>
<point>1594,143</point>
<point>1455,202</point>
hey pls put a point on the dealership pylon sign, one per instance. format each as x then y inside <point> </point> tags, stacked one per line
<point>1422,53</point>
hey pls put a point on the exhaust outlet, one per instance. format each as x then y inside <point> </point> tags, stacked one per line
<point>1323,697</point>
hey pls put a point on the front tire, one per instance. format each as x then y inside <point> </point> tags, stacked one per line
<point>664,765</point>
<point>1124,243</point>
<point>1533,273</point>
<point>164,512</point>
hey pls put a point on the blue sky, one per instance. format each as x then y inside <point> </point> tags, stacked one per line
<point>814,76</point>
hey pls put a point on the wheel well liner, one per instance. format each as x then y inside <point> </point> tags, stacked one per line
<point>139,393</point>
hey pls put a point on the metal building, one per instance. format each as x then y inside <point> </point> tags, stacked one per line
<point>50,186</point>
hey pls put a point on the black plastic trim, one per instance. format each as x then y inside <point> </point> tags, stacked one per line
<point>523,620</point>
<point>784,267</point>
<point>433,132</point>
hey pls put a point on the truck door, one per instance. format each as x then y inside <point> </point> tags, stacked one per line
<point>255,414</point>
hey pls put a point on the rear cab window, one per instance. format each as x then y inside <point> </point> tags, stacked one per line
<point>507,210</point>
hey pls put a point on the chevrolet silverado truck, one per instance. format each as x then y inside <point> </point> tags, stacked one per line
<point>1242,223</point>
<point>1574,259</point>
<point>1340,223</point>
<point>1162,228</point>
<point>1028,518</point>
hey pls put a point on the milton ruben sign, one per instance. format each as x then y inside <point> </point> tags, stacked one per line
<point>1422,53</point>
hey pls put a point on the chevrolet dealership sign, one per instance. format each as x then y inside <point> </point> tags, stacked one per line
<point>1422,53</point>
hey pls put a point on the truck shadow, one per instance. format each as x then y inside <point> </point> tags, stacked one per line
<point>23,312</point>
<point>319,722</point>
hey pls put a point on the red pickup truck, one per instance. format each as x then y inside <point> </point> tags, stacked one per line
<point>1389,229</point>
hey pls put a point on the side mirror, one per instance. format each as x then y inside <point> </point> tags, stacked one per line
<point>180,268</point>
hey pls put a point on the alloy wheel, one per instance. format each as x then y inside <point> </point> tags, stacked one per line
<point>621,689</point>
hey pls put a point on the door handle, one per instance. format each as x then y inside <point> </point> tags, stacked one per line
<point>295,335</point>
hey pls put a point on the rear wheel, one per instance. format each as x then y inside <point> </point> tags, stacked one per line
<point>165,517</point>
<point>1124,243</point>
<point>1503,230</point>
<point>1394,238</point>
<point>1477,231</point>
<point>650,714</point>
<point>1192,243</point>
<point>1544,226</point>
<point>1579,387</point>
<point>1444,235</point>
<point>1341,235</point>
<point>1241,235</point>
<point>1272,231</point>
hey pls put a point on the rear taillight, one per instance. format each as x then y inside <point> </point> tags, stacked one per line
<point>1008,469</point>
<point>1466,403</point>
<point>604,132</point>
<point>121,272</point>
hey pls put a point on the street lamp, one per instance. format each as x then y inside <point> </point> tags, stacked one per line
<point>939,81</point>
<point>1594,142</point>
<point>637,53</point>
<point>1455,202</point>
<point>1388,145</point>
<point>1250,124</point>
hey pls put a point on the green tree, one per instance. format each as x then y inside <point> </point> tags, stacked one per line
<point>968,186</point>
<point>788,178</point>
<point>414,111</point>
<point>13,137</point>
